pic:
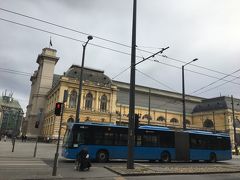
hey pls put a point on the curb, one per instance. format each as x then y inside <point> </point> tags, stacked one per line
<point>167,173</point>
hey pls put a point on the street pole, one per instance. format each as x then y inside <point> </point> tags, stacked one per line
<point>15,133</point>
<point>81,79</point>
<point>55,164</point>
<point>35,148</point>
<point>149,105</point>
<point>39,120</point>
<point>183,97</point>
<point>214,124</point>
<point>234,128</point>
<point>183,94</point>
<point>131,123</point>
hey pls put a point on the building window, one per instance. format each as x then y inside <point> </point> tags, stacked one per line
<point>103,103</point>
<point>146,117</point>
<point>160,118</point>
<point>70,120</point>
<point>208,123</point>
<point>73,99</point>
<point>87,119</point>
<point>88,102</point>
<point>174,120</point>
<point>187,122</point>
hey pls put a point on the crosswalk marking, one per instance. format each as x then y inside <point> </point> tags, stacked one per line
<point>11,164</point>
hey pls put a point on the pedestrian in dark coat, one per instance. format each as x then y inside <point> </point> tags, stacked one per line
<point>82,160</point>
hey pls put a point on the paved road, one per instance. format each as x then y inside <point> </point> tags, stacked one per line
<point>21,165</point>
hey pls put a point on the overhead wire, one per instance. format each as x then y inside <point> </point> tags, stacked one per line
<point>104,39</point>
<point>210,84</point>
<point>219,85</point>
<point>170,65</point>
<point>107,48</point>
<point>63,36</point>
<point>156,80</point>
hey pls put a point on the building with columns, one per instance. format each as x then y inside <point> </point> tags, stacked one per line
<point>11,115</point>
<point>104,100</point>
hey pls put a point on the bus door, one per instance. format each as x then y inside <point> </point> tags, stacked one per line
<point>182,146</point>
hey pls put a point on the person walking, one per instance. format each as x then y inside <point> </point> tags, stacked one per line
<point>5,138</point>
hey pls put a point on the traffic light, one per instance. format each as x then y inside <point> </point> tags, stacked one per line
<point>36,124</point>
<point>58,109</point>
<point>136,121</point>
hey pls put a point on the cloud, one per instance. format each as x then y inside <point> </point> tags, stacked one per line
<point>208,30</point>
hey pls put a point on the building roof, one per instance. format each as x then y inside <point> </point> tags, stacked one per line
<point>217,103</point>
<point>160,99</point>
<point>89,74</point>
<point>8,101</point>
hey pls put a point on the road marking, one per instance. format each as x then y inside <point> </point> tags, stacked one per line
<point>22,164</point>
<point>119,178</point>
<point>139,164</point>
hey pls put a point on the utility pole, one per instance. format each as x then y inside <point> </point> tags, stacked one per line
<point>39,119</point>
<point>149,106</point>
<point>81,80</point>
<point>15,131</point>
<point>131,123</point>
<point>234,127</point>
<point>55,164</point>
<point>131,118</point>
<point>59,109</point>
<point>183,94</point>
<point>214,124</point>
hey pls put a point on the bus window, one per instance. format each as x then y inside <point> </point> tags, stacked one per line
<point>166,139</point>
<point>121,139</point>
<point>138,140</point>
<point>98,137</point>
<point>81,137</point>
<point>67,139</point>
<point>149,140</point>
<point>108,138</point>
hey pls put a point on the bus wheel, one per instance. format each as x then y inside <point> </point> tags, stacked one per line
<point>102,156</point>
<point>212,158</point>
<point>165,157</point>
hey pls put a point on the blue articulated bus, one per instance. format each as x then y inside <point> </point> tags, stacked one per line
<point>109,141</point>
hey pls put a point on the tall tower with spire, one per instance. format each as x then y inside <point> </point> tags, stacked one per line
<point>41,83</point>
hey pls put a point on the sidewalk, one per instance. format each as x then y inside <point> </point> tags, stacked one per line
<point>20,164</point>
<point>175,169</point>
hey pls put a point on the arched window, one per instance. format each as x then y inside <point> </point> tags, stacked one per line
<point>160,118</point>
<point>73,99</point>
<point>88,102</point>
<point>208,123</point>
<point>70,120</point>
<point>87,118</point>
<point>103,103</point>
<point>174,120</point>
<point>146,117</point>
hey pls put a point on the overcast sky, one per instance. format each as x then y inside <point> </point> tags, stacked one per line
<point>205,29</point>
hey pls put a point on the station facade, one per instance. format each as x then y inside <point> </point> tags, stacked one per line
<point>106,101</point>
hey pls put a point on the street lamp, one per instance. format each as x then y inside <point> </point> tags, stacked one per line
<point>234,128</point>
<point>183,93</point>
<point>80,79</point>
